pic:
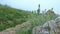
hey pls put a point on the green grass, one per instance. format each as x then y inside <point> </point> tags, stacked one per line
<point>35,20</point>
<point>10,17</point>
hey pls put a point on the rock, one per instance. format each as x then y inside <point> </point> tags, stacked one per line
<point>51,24</point>
<point>51,27</point>
<point>44,29</point>
<point>37,30</point>
<point>57,20</point>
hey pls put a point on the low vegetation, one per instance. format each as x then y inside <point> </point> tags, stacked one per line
<point>36,20</point>
<point>10,17</point>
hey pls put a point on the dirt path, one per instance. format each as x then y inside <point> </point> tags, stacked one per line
<point>12,30</point>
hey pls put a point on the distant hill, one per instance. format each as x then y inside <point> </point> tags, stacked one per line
<point>10,17</point>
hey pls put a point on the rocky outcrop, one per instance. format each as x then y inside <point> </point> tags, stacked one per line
<point>50,27</point>
<point>44,28</point>
<point>37,30</point>
<point>57,21</point>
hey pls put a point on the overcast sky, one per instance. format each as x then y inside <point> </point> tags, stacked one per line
<point>33,4</point>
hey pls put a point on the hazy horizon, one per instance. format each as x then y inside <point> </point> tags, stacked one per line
<point>33,4</point>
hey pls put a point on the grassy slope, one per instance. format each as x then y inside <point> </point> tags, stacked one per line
<point>35,20</point>
<point>9,17</point>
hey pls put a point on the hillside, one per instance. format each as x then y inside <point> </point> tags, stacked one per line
<point>10,17</point>
<point>36,20</point>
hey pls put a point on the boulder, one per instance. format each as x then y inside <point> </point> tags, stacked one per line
<point>54,26</point>
<point>57,21</point>
<point>51,24</point>
<point>44,28</point>
<point>37,30</point>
